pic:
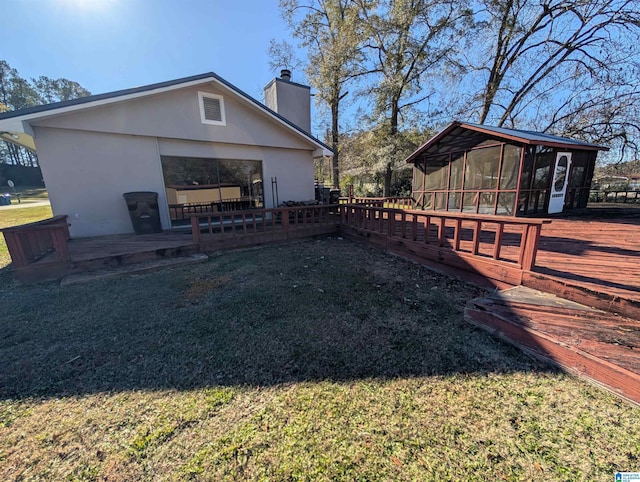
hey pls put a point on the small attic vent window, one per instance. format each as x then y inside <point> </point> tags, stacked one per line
<point>211,109</point>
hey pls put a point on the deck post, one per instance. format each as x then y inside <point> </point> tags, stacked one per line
<point>18,257</point>
<point>414,227</point>
<point>529,246</point>
<point>477,231</point>
<point>195,228</point>
<point>457,234</point>
<point>498,241</point>
<point>441,230</point>
<point>60,244</point>
<point>391,228</point>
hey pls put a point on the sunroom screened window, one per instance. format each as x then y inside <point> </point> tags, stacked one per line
<point>478,180</point>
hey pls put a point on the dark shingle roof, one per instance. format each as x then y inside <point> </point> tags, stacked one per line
<point>458,135</point>
<point>533,136</point>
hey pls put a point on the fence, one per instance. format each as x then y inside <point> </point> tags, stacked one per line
<point>263,225</point>
<point>632,197</point>
<point>497,247</point>
<point>380,202</point>
<point>180,212</point>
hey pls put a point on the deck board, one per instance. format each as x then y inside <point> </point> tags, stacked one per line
<point>602,255</point>
<point>85,249</point>
<point>591,343</point>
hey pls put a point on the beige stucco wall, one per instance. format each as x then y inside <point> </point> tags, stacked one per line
<point>290,100</point>
<point>176,115</point>
<point>86,174</point>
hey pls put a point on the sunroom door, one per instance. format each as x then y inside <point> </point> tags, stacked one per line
<point>560,182</point>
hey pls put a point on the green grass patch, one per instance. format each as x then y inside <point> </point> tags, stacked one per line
<point>318,360</point>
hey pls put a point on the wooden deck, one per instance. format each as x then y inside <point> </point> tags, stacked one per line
<point>595,261</point>
<point>104,252</point>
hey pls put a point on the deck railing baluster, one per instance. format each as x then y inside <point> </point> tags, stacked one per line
<point>456,235</point>
<point>441,229</point>
<point>477,231</point>
<point>497,243</point>
<point>427,229</point>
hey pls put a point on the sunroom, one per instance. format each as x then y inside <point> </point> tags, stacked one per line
<point>479,169</point>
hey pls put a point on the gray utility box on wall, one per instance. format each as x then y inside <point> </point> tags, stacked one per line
<point>143,210</point>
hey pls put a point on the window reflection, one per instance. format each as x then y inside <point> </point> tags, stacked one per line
<point>202,184</point>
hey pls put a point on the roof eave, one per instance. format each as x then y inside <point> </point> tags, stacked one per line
<point>522,140</point>
<point>432,141</point>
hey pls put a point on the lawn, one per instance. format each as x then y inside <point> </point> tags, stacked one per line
<point>317,360</point>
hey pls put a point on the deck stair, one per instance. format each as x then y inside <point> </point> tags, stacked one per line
<point>133,268</point>
<point>594,344</point>
<point>622,302</point>
<point>117,251</point>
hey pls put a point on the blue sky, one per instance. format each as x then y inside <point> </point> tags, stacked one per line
<point>107,45</point>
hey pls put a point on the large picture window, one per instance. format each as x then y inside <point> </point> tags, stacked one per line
<point>203,184</point>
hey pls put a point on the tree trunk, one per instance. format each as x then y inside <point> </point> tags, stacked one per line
<point>387,180</point>
<point>335,139</point>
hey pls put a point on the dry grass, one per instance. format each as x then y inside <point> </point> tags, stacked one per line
<point>321,360</point>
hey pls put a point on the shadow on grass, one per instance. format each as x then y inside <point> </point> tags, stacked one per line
<point>314,310</point>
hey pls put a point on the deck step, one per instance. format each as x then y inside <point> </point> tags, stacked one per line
<point>594,344</point>
<point>621,304</point>
<point>137,268</point>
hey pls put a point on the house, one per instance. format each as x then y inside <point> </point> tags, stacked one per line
<point>199,142</point>
<point>493,170</point>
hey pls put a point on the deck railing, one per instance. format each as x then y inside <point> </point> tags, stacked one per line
<point>498,247</point>
<point>220,225</point>
<point>622,196</point>
<point>31,242</point>
<point>398,202</point>
<point>179,212</point>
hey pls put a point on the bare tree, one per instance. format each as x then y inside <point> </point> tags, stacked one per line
<point>564,66</point>
<point>409,41</point>
<point>282,55</point>
<point>331,32</point>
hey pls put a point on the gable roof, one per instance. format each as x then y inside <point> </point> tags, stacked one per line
<point>456,132</point>
<point>9,120</point>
